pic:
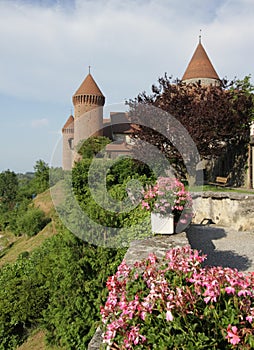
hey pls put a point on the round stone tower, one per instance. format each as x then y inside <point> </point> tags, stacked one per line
<point>68,143</point>
<point>88,103</point>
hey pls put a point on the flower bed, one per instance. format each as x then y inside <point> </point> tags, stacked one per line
<point>175,303</point>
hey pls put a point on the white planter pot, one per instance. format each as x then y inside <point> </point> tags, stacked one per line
<point>162,224</point>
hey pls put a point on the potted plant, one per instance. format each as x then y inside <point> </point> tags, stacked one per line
<point>170,205</point>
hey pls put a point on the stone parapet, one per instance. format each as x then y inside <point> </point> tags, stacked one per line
<point>228,209</point>
<point>158,245</point>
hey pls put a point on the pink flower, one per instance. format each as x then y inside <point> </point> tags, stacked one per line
<point>230,290</point>
<point>169,316</point>
<point>249,318</point>
<point>152,258</point>
<point>166,196</point>
<point>244,292</point>
<point>232,336</point>
<point>145,205</point>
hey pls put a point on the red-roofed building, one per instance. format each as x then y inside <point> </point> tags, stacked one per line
<point>88,120</point>
<point>200,68</point>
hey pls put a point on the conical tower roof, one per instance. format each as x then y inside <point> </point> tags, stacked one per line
<point>68,123</point>
<point>200,66</point>
<point>89,87</point>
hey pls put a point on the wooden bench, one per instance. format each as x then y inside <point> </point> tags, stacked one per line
<point>220,181</point>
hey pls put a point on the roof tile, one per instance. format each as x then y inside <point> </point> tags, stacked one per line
<point>200,66</point>
<point>89,87</point>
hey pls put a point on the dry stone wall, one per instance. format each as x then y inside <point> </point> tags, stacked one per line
<point>225,209</point>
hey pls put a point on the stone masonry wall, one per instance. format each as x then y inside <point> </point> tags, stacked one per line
<point>225,209</point>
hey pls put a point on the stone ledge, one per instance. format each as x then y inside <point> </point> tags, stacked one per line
<point>224,209</point>
<point>96,341</point>
<point>158,245</point>
<point>222,195</point>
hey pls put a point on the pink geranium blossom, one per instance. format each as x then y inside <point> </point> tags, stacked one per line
<point>168,196</point>
<point>232,335</point>
<point>178,293</point>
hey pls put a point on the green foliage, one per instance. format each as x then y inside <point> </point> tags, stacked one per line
<point>92,146</point>
<point>128,168</point>
<point>32,222</point>
<point>16,194</point>
<point>60,287</point>
<point>8,190</point>
<point>78,286</point>
<point>55,175</point>
<point>41,176</point>
<point>109,192</point>
<point>174,303</point>
<point>22,298</point>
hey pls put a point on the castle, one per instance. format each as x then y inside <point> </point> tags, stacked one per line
<point>88,102</point>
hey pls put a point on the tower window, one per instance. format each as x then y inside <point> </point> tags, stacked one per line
<point>71,143</point>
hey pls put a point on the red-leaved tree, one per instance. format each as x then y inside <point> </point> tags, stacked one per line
<point>217,118</point>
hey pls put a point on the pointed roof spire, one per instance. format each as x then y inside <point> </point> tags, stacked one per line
<point>200,65</point>
<point>89,86</point>
<point>69,123</point>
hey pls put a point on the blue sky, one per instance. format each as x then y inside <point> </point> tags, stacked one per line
<point>47,46</point>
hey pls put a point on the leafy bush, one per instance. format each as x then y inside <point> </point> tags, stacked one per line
<point>111,204</point>
<point>177,304</point>
<point>32,222</point>
<point>60,287</point>
<point>23,295</point>
<point>92,146</point>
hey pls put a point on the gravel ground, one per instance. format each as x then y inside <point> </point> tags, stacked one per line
<point>224,246</point>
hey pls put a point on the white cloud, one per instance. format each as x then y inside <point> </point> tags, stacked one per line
<point>39,123</point>
<point>47,45</point>
<point>46,49</point>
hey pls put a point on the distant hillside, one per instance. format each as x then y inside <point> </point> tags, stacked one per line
<point>14,246</point>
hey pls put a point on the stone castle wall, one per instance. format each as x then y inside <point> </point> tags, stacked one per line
<point>225,209</point>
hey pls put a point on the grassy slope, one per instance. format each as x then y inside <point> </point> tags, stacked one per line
<point>36,342</point>
<point>17,245</point>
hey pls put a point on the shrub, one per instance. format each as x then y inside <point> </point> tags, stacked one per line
<point>176,304</point>
<point>32,222</point>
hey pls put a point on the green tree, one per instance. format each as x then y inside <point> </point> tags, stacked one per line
<point>92,146</point>
<point>8,190</point>
<point>41,176</point>
<point>31,222</point>
<point>60,287</point>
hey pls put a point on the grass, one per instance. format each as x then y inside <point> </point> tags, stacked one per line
<point>37,342</point>
<point>44,202</point>
<point>25,244</point>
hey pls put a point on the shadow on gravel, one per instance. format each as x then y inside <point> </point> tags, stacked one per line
<point>200,237</point>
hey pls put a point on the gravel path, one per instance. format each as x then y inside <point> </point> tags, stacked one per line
<point>224,246</point>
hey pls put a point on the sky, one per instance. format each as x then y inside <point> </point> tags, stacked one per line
<point>47,45</point>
